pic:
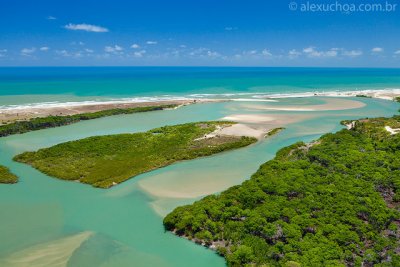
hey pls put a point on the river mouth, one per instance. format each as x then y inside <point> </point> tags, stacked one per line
<point>123,225</point>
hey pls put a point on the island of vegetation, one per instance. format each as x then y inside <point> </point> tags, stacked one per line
<point>104,161</point>
<point>334,202</point>
<point>6,177</point>
<point>397,99</point>
<point>274,131</point>
<point>34,124</point>
<point>366,96</point>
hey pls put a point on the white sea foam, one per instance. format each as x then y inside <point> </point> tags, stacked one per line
<point>387,94</point>
<point>58,104</point>
<point>379,93</point>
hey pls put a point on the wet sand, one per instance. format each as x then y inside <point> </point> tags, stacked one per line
<point>55,253</point>
<point>331,104</point>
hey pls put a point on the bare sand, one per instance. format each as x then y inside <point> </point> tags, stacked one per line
<point>387,94</point>
<point>391,130</point>
<point>330,104</point>
<point>238,130</point>
<point>26,113</point>
<point>269,121</point>
<point>51,254</point>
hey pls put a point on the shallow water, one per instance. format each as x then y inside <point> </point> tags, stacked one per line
<point>41,213</point>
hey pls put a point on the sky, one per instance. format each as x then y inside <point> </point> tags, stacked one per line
<point>318,33</point>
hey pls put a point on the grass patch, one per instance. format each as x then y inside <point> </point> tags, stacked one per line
<point>333,202</point>
<point>34,124</point>
<point>6,177</point>
<point>103,161</point>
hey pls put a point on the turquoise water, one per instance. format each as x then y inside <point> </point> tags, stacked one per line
<point>48,222</point>
<point>126,229</point>
<point>26,85</point>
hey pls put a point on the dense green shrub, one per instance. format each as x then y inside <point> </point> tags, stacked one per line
<point>333,202</point>
<point>6,177</point>
<point>34,124</point>
<point>105,160</point>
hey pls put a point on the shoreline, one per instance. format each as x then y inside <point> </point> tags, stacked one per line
<point>9,116</point>
<point>386,94</point>
<point>14,113</point>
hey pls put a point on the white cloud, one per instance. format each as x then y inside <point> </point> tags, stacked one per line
<point>308,50</point>
<point>377,50</point>
<point>44,48</point>
<point>204,53</point>
<point>182,46</point>
<point>314,53</point>
<point>396,54</point>
<point>139,53</point>
<point>352,53</point>
<point>151,42</point>
<point>135,46</point>
<point>66,53</point>
<point>28,51</point>
<point>266,53</point>
<point>87,50</point>
<point>113,49</point>
<point>331,53</point>
<point>78,43</point>
<point>294,53</point>
<point>231,28</point>
<point>212,54</point>
<point>62,53</point>
<point>85,27</point>
<point>51,18</point>
<point>3,52</point>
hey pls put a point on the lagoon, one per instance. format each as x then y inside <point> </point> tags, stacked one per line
<point>123,225</point>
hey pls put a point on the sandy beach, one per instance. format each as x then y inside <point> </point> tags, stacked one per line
<point>330,104</point>
<point>10,115</point>
<point>334,101</point>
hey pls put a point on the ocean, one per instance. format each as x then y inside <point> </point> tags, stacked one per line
<point>21,86</point>
<point>49,222</point>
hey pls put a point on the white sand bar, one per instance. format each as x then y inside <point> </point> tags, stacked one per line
<point>330,104</point>
<point>391,130</point>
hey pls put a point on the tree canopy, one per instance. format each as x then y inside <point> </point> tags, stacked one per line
<point>35,124</point>
<point>333,202</point>
<point>103,161</point>
<point>6,177</point>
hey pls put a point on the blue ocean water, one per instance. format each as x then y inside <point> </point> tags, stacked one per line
<point>98,83</point>
<point>46,221</point>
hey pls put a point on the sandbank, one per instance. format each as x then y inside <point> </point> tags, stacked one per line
<point>51,254</point>
<point>20,113</point>
<point>330,104</point>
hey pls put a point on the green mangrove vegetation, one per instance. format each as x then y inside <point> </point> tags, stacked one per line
<point>103,161</point>
<point>366,96</point>
<point>334,202</point>
<point>34,124</point>
<point>397,99</point>
<point>6,177</point>
<point>274,131</point>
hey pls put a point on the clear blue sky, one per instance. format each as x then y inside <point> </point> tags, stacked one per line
<point>196,33</point>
